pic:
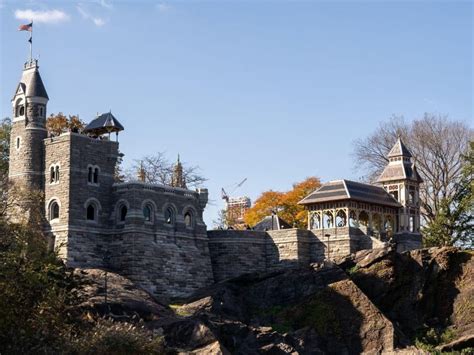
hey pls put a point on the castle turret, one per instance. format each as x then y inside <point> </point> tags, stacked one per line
<point>177,179</point>
<point>28,128</point>
<point>402,181</point>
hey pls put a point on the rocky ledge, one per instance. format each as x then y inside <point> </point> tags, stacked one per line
<point>376,301</point>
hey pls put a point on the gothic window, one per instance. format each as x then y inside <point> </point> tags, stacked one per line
<point>188,219</point>
<point>52,175</point>
<point>169,216</point>
<point>147,212</point>
<point>91,212</point>
<point>328,220</point>
<point>315,221</point>
<point>123,213</point>
<point>364,218</point>
<point>96,175</point>
<point>376,222</point>
<point>89,175</point>
<point>353,219</point>
<point>53,210</point>
<point>341,218</point>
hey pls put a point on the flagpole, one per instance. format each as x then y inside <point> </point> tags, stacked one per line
<point>31,42</point>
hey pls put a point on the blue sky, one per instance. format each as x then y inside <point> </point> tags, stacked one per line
<point>274,91</point>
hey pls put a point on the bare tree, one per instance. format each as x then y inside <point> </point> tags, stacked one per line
<point>437,145</point>
<point>159,170</point>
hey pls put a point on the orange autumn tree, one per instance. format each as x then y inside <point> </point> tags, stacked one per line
<point>285,204</point>
<point>57,124</point>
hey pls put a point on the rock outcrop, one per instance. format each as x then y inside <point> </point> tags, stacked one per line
<point>372,302</point>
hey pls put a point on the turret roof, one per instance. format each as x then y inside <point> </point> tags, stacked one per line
<point>31,82</point>
<point>104,123</point>
<point>399,150</point>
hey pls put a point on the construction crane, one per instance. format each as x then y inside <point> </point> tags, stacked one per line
<point>225,195</point>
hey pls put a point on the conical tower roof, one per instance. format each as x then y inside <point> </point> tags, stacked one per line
<point>31,83</point>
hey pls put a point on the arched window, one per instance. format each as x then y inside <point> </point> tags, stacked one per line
<point>328,220</point>
<point>353,219</point>
<point>96,175</point>
<point>41,111</point>
<point>89,175</point>
<point>57,173</point>
<point>315,221</point>
<point>147,211</point>
<point>169,216</point>
<point>363,219</point>
<point>341,219</point>
<point>52,175</point>
<point>188,219</point>
<point>18,142</point>
<point>53,210</point>
<point>21,110</point>
<point>91,212</point>
<point>376,222</point>
<point>123,213</point>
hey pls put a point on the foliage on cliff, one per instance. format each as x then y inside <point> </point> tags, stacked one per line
<point>285,204</point>
<point>40,304</point>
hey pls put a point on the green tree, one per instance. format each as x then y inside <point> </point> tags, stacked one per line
<point>454,222</point>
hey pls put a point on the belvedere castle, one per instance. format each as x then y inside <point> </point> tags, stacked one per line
<point>155,234</point>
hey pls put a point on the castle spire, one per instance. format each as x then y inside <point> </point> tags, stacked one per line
<point>177,179</point>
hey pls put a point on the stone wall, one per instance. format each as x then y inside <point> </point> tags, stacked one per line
<point>234,252</point>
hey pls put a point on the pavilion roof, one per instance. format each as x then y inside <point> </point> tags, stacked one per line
<point>105,123</point>
<point>339,190</point>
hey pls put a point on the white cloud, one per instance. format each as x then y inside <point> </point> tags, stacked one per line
<point>162,7</point>
<point>49,16</point>
<point>106,4</point>
<point>98,21</point>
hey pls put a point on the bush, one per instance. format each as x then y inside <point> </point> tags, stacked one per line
<point>108,337</point>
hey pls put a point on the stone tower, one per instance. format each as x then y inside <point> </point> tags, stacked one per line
<point>28,129</point>
<point>402,181</point>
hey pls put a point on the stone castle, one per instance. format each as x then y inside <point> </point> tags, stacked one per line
<point>155,234</point>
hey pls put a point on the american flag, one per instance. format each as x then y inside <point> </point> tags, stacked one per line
<point>28,27</point>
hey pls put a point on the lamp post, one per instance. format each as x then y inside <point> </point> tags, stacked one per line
<point>327,236</point>
<point>106,258</point>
